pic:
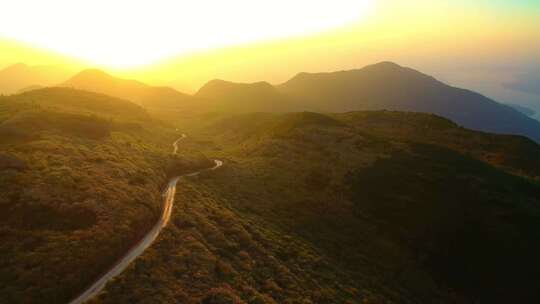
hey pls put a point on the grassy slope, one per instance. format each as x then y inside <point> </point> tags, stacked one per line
<point>380,206</point>
<point>87,185</point>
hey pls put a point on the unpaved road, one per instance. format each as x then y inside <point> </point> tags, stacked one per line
<point>149,238</point>
<point>175,144</point>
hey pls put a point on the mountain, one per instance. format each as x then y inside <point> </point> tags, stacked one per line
<point>133,90</point>
<point>392,87</point>
<point>244,97</point>
<point>19,76</point>
<point>81,176</point>
<point>69,152</point>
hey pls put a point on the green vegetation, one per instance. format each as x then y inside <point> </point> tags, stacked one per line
<point>359,207</point>
<point>348,208</point>
<point>81,176</point>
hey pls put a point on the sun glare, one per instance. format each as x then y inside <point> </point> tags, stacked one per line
<point>126,33</point>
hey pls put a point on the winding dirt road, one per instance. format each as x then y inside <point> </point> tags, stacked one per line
<point>150,237</point>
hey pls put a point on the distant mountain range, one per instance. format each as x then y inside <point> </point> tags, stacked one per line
<point>245,97</point>
<point>388,86</point>
<point>382,86</point>
<point>20,76</point>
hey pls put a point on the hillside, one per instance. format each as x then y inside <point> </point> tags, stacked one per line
<point>20,76</point>
<point>243,97</point>
<point>388,86</point>
<point>348,208</point>
<point>81,176</point>
<point>133,90</point>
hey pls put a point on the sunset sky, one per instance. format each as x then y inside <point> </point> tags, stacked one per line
<point>483,45</point>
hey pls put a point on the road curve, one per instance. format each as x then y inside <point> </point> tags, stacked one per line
<point>148,239</point>
<point>175,143</point>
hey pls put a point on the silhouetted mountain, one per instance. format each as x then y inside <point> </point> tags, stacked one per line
<point>245,97</point>
<point>392,87</point>
<point>19,76</point>
<point>133,90</point>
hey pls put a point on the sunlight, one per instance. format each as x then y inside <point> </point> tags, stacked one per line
<point>127,33</point>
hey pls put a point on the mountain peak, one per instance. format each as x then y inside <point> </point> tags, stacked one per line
<point>388,67</point>
<point>97,80</point>
<point>386,64</point>
<point>381,66</point>
<point>92,73</point>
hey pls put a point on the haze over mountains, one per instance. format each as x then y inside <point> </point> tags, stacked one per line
<point>388,86</point>
<point>382,86</point>
<point>246,97</point>
<point>136,91</point>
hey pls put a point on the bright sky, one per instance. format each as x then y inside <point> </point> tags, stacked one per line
<point>125,33</point>
<point>480,44</point>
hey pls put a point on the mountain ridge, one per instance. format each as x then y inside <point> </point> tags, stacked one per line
<point>382,86</point>
<point>245,97</point>
<point>136,91</point>
<point>388,86</point>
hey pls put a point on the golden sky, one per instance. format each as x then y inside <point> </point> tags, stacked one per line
<point>124,33</point>
<point>186,43</point>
